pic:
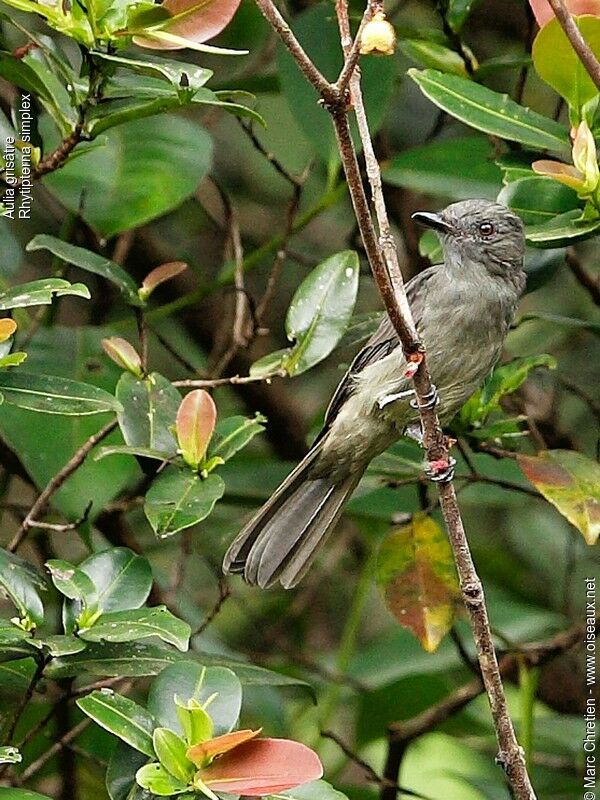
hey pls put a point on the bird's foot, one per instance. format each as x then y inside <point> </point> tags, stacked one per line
<point>430,400</point>
<point>441,470</point>
<point>391,398</point>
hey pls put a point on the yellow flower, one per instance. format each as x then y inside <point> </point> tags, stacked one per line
<point>378,37</point>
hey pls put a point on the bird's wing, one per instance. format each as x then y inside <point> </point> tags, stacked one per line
<point>381,344</point>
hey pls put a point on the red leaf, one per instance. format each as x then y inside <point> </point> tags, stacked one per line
<point>196,419</point>
<point>159,275</point>
<point>263,766</point>
<point>123,354</point>
<point>194,20</point>
<point>543,10</point>
<point>219,745</point>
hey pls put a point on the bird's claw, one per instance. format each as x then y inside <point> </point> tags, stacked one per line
<point>430,400</point>
<point>441,470</point>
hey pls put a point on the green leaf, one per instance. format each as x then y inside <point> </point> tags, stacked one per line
<point>133,625</point>
<point>321,310</point>
<point>71,582</point>
<point>15,643</point>
<point>538,200</point>
<point>434,55</point>
<point>10,755</point>
<point>50,394</point>
<point>571,482</point>
<point>149,167</point>
<point>171,752</point>
<point>557,63</point>
<point>457,13</point>
<point>12,360</point>
<point>149,411</point>
<point>196,723</point>
<point>192,681</point>
<point>234,433</point>
<point>22,583</point>
<point>120,773</point>
<point>85,259</point>
<point>315,790</point>
<point>562,231</point>
<point>155,778</point>
<point>416,573</point>
<point>541,265</point>
<point>127,659</point>
<point>504,380</point>
<point>130,450</point>
<point>60,645</point>
<point>490,112</point>
<point>122,717</point>
<point>317,31</point>
<point>122,578</point>
<point>74,352</point>
<point>454,168</point>
<point>40,293</point>
<point>179,498</point>
<point>166,68</point>
<point>22,794</point>
<point>271,364</point>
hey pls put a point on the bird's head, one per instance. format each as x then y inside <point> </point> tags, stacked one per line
<point>479,232</point>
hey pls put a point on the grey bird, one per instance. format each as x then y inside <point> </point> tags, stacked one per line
<point>463,309</point>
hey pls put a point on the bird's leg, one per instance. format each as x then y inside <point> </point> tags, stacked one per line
<point>442,469</point>
<point>430,400</point>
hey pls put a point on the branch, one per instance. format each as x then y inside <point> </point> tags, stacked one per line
<point>40,762</point>
<point>370,773</point>
<point>510,755</point>
<point>57,481</point>
<point>401,734</point>
<point>352,51</point>
<point>588,281</point>
<point>384,264</point>
<point>573,34</point>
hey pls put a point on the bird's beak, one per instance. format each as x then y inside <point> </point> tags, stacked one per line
<point>434,221</point>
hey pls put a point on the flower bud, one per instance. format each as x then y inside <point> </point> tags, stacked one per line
<point>584,157</point>
<point>378,37</point>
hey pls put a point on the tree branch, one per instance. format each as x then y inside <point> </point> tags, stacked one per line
<point>57,481</point>
<point>589,282</point>
<point>386,271</point>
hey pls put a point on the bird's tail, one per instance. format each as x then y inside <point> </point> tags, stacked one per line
<point>281,540</point>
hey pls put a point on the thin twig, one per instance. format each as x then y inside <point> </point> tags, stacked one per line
<point>57,481</point>
<point>248,129</point>
<point>589,282</point>
<point>224,595</point>
<point>590,401</point>
<point>353,52</point>
<point>573,34</point>
<point>232,380</point>
<point>62,527</point>
<point>40,762</point>
<point>370,773</point>
<point>401,734</point>
<point>384,264</point>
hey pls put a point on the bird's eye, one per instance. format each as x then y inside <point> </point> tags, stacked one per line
<point>486,229</point>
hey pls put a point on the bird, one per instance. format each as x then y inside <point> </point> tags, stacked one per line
<point>463,309</point>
